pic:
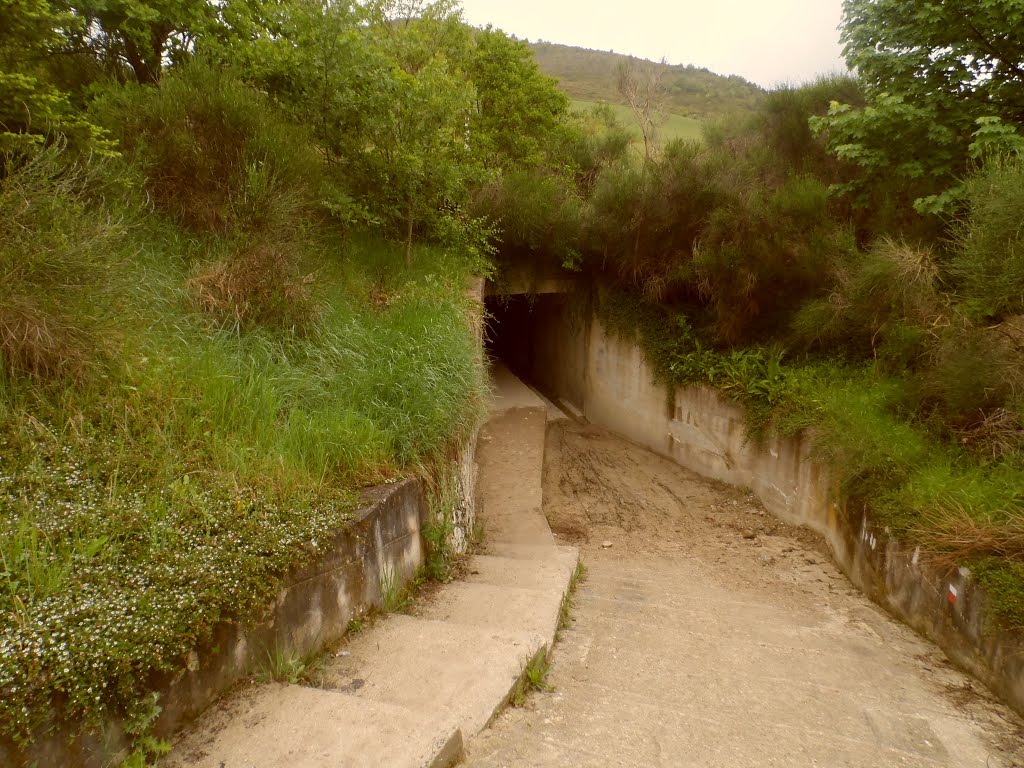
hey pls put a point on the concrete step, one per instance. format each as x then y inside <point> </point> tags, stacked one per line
<point>274,726</point>
<point>424,664</point>
<point>507,609</point>
<point>523,527</point>
<point>409,690</point>
<point>544,574</point>
<point>511,551</point>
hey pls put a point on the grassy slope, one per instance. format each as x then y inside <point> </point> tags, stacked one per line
<point>589,75</point>
<point>168,486</point>
<point>675,126</point>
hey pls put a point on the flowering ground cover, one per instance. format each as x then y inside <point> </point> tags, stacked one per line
<point>170,480</point>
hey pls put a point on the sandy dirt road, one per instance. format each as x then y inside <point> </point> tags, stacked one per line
<point>710,634</point>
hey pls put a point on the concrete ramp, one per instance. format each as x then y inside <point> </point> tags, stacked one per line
<point>710,635</point>
<point>412,689</point>
<point>511,392</point>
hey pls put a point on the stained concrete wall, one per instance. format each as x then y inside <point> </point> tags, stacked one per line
<point>463,520</point>
<point>464,514</point>
<point>610,382</point>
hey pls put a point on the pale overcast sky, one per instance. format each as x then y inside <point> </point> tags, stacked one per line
<point>766,41</point>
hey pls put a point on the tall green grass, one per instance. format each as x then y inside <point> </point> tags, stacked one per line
<point>169,486</point>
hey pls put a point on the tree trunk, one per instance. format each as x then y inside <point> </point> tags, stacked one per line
<point>408,237</point>
<point>143,74</point>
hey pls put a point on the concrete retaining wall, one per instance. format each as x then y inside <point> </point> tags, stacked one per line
<point>610,382</point>
<point>463,520</point>
<point>464,514</point>
<point>384,543</point>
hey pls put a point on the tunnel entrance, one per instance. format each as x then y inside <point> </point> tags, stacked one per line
<point>512,327</point>
<point>539,337</point>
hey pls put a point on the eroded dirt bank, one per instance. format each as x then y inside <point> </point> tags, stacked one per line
<point>710,634</point>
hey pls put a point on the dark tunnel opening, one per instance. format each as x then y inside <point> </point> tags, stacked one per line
<point>534,335</point>
<point>512,330</point>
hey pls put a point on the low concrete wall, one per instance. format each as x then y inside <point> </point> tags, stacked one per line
<point>383,543</point>
<point>463,520</point>
<point>614,387</point>
<point>464,514</point>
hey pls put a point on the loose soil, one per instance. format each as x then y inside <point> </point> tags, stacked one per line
<point>708,633</point>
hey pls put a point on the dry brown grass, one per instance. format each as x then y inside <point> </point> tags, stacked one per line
<point>257,285</point>
<point>59,250</point>
<point>953,535</point>
<point>38,343</point>
<point>997,433</point>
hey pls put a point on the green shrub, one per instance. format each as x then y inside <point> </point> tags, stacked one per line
<point>644,223</point>
<point>593,142</point>
<point>882,300</point>
<point>537,218</point>
<point>34,110</point>
<point>783,119</point>
<point>967,375</point>
<point>58,247</point>
<point>762,252</point>
<point>989,241</point>
<point>215,153</point>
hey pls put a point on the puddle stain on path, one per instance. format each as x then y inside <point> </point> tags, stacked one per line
<point>711,634</point>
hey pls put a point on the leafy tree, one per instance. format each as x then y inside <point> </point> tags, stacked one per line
<point>965,55</point>
<point>416,158</point>
<point>32,110</point>
<point>320,65</point>
<point>413,32</point>
<point>944,82</point>
<point>519,110</point>
<point>386,99</point>
<point>419,156</point>
<point>142,33</point>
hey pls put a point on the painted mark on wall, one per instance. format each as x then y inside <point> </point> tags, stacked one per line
<point>868,537</point>
<point>954,594</point>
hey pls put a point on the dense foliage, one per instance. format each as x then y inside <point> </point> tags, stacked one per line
<point>944,83</point>
<point>234,242</point>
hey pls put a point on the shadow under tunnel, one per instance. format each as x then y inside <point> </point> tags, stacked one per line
<point>541,339</point>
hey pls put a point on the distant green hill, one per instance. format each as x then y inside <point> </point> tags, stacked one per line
<point>675,126</point>
<point>591,76</point>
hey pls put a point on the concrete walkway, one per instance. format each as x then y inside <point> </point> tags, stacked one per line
<point>709,634</point>
<point>410,690</point>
